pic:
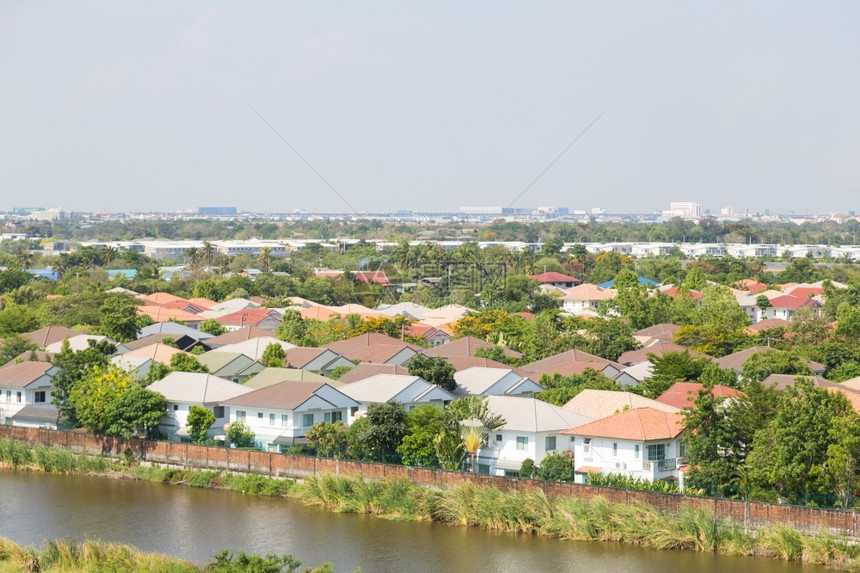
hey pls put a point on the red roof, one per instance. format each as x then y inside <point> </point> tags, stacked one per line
<point>673,292</point>
<point>635,424</point>
<point>806,291</point>
<point>248,316</point>
<point>682,394</point>
<point>788,301</point>
<point>377,277</point>
<point>751,285</point>
<point>553,277</point>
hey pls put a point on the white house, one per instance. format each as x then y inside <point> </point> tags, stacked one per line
<point>484,381</point>
<point>642,443</point>
<point>410,391</point>
<point>25,395</point>
<point>585,298</point>
<point>532,430</point>
<point>185,389</point>
<point>280,414</point>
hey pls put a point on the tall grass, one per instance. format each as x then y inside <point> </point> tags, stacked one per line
<point>51,459</point>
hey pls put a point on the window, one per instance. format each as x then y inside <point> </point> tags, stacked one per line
<point>498,437</point>
<point>333,416</point>
<point>176,407</point>
<point>636,449</point>
<point>240,416</point>
<point>656,452</point>
<point>8,395</point>
<point>522,442</point>
<point>17,396</point>
<point>218,411</point>
<point>307,420</point>
<point>549,443</point>
<point>614,449</point>
<point>284,420</point>
<point>259,415</point>
<point>353,410</point>
<point>586,445</point>
<point>682,453</point>
<point>484,469</point>
<point>40,396</point>
<point>272,419</point>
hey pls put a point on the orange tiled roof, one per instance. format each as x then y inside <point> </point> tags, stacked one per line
<point>643,424</point>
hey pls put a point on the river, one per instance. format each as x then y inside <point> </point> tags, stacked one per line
<point>196,523</point>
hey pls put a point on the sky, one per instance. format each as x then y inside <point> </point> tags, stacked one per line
<point>385,106</point>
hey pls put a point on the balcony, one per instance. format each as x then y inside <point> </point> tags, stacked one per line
<point>662,465</point>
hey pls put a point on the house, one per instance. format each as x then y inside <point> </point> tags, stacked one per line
<point>50,335</point>
<point>558,362</point>
<point>431,335</point>
<point>466,347</point>
<point>599,404</point>
<point>664,331</point>
<point>322,360</point>
<point>171,328</point>
<point>410,391</point>
<point>532,430</point>
<point>138,365</point>
<point>482,381</point>
<point>368,277</point>
<point>585,298</point>
<point>185,389</point>
<point>157,352</point>
<point>166,314</point>
<point>366,370</point>
<point>281,414</point>
<point>848,388</point>
<point>255,347</point>
<point>376,348</point>
<point>84,341</point>
<point>271,376</point>
<point>410,310</point>
<point>683,394</point>
<point>264,318</point>
<point>786,305</point>
<point>230,365</point>
<point>555,279</point>
<point>25,395</point>
<point>240,335</point>
<point>658,348</point>
<point>641,443</point>
<point>182,341</point>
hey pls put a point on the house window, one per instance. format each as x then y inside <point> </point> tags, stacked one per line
<point>484,469</point>
<point>614,449</point>
<point>682,451</point>
<point>240,416</point>
<point>549,443</point>
<point>307,420</point>
<point>40,397</point>
<point>17,396</point>
<point>284,420</point>
<point>8,395</point>
<point>522,442</point>
<point>586,445</point>
<point>656,452</point>
<point>272,419</point>
<point>498,437</point>
<point>176,407</point>
<point>353,410</point>
<point>636,449</point>
<point>259,415</point>
<point>218,411</point>
<point>333,416</point>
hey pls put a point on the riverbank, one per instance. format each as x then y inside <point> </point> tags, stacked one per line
<point>529,511</point>
<point>94,556</point>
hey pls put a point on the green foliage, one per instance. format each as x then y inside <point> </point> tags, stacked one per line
<point>423,424</point>
<point>386,426</point>
<point>561,389</point>
<point>198,422</point>
<point>762,364</point>
<point>528,469</point>
<point>240,436</point>
<point>629,482</point>
<point>226,562</point>
<point>119,317</point>
<point>557,466</point>
<point>213,327</point>
<point>274,355</point>
<point>339,371</point>
<point>73,366</point>
<point>433,369</point>
<point>329,439</point>
<point>13,346</point>
<point>184,362</point>
<point>717,328</point>
<point>496,353</point>
<point>669,368</point>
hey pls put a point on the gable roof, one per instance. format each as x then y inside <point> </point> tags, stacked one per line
<point>682,394</point>
<point>269,376</point>
<point>239,335</point>
<point>736,360</point>
<point>767,324</point>
<point>640,424</point>
<point>23,374</point>
<point>249,316</point>
<point>196,388</point>
<point>287,395</point>
<point>385,387</point>
<point>551,277</point>
<point>50,334</point>
<point>158,352</point>
<point>183,341</point>
<point>170,327</point>
<point>480,379</point>
<point>663,331</point>
<point>164,314</point>
<point>367,370</point>
<point>255,347</point>
<point>599,404</point>
<point>562,358</point>
<point>531,415</point>
<point>587,291</point>
<point>160,298</point>
<point>659,348</point>
<point>369,340</point>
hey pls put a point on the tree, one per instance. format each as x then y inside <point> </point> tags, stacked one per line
<point>471,420</point>
<point>557,466</point>
<point>136,412</point>
<point>184,362</point>
<point>329,439</point>
<point>274,355</point>
<point>14,346</point>
<point>718,327</point>
<point>119,317</point>
<point>213,327</point>
<point>423,424</point>
<point>433,369</point>
<point>198,422</point>
<point>842,468</point>
<point>339,371</point>
<point>669,368</point>
<point>386,426</point>
<point>771,361</point>
<point>73,366</point>
<point>240,436</point>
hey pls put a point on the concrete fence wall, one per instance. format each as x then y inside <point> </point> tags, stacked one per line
<point>752,514</point>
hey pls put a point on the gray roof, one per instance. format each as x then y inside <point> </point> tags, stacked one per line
<point>385,387</point>
<point>196,388</point>
<point>532,415</point>
<point>270,376</point>
<point>173,328</point>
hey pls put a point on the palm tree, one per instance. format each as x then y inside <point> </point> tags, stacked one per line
<point>476,423</point>
<point>263,258</point>
<point>207,253</point>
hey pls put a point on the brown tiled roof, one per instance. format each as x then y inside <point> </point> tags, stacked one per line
<point>239,335</point>
<point>659,349</point>
<point>163,314</point>
<point>643,424</point>
<point>681,394</point>
<point>658,330</point>
<point>558,360</point>
<point>551,277</point>
<point>299,356</point>
<point>159,298</point>
<point>366,370</point>
<point>249,316</point>
<point>570,368</point>
<point>767,324</point>
<point>369,340</point>
<point>282,396</point>
<point>22,374</point>
<point>50,335</point>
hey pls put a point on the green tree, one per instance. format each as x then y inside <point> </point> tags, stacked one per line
<point>198,422</point>
<point>184,362</point>
<point>433,369</point>
<point>561,389</point>
<point>73,366</point>
<point>240,436</point>
<point>718,327</point>
<point>136,412</point>
<point>14,346</point>
<point>423,424</point>
<point>496,353</point>
<point>119,317</point>
<point>557,466</point>
<point>339,371</point>
<point>762,364</point>
<point>669,368</point>
<point>274,355</point>
<point>471,420</point>
<point>386,426</point>
<point>213,327</point>
<point>842,468</point>
<point>329,439</point>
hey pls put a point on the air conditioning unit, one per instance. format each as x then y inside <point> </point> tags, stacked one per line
<point>620,466</point>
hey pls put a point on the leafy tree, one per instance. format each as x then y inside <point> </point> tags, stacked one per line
<point>496,353</point>
<point>528,469</point>
<point>471,420</point>
<point>560,389</point>
<point>669,368</point>
<point>13,346</point>
<point>169,341</point>
<point>198,422</point>
<point>240,436</point>
<point>842,469</point>
<point>16,319</point>
<point>329,439</point>
<point>762,302</point>
<point>557,466</point>
<point>762,364</point>
<point>213,327</point>
<point>609,338</point>
<point>423,424</point>
<point>718,327</point>
<point>339,371</point>
<point>73,366</point>
<point>449,450</point>
<point>137,411</point>
<point>293,328</point>
<point>274,355</point>
<point>184,362</point>
<point>119,317</point>
<point>433,369</point>
<point>386,426</point>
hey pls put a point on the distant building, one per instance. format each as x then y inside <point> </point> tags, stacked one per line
<point>683,209</point>
<point>216,210</point>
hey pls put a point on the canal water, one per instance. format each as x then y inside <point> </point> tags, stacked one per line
<point>195,524</point>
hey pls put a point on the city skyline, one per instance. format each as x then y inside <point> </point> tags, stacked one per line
<point>624,107</point>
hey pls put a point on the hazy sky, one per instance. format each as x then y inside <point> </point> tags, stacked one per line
<point>149,106</point>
